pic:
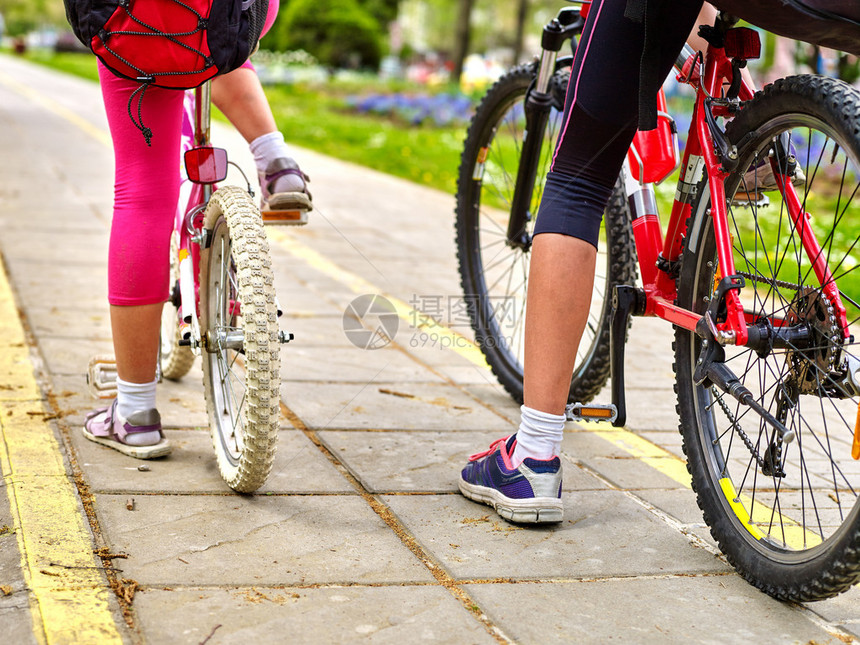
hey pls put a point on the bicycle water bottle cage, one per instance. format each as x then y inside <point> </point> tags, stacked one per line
<point>206,165</point>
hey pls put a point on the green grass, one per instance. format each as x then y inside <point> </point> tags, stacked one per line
<point>82,65</point>
<point>317,117</point>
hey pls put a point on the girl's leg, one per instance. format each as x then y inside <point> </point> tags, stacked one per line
<point>521,477</point>
<point>145,197</point>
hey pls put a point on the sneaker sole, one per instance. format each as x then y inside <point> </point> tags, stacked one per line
<point>537,510</point>
<point>160,449</point>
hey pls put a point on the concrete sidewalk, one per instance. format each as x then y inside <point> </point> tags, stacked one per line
<point>359,534</point>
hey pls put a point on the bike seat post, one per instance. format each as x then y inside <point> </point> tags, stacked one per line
<point>203,123</point>
<point>202,114</point>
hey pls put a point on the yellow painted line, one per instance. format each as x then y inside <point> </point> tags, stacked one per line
<point>69,596</point>
<point>358,285</point>
<point>793,534</point>
<point>650,453</point>
<point>59,110</point>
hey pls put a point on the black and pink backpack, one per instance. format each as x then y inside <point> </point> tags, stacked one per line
<point>176,44</point>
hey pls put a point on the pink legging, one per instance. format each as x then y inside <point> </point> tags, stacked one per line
<point>146,188</point>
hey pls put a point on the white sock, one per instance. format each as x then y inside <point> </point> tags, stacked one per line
<point>539,435</point>
<point>134,397</point>
<point>267,148</point>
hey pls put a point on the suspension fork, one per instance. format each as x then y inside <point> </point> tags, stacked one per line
<point>538,104</point>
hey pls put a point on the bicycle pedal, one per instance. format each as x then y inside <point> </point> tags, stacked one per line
<point>291,217</point>
<point>101,377</point>
<point>593,412</point>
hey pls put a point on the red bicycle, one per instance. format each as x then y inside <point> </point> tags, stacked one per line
<point>756,270</point>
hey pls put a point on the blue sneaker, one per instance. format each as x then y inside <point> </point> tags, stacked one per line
<point>530,493</point>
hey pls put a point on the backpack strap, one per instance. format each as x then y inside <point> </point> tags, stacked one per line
<point>646,12</point>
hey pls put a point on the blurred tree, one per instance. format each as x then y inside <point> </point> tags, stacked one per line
<point>462,36</point>
<point>385,11</point>
<point>278,37</point>
<point>23,16</point>
<point>338,33</point>
<point>494,27</point>
<point>522,11</point>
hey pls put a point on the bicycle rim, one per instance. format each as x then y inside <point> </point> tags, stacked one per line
<point>786,514</point>
<point>176,359</point>
<point>241,360</point>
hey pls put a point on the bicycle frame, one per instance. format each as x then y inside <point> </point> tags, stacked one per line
<point>205,166</point>
<point>700,154</point>
<point>707,150</point>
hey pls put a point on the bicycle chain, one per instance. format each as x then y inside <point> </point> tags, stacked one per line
<point>743,435</point>
<point>777,283</point>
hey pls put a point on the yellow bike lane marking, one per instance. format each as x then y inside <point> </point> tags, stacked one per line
<point>70,598</point>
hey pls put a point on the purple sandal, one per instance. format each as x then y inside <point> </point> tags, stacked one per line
<point>284,207</point>
<point>107,427</point>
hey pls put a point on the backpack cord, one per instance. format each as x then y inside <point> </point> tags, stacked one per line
<point>149,78</point>
<point>145,131</point>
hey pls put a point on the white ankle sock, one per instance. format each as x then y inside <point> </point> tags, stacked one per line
<point>539,435</point>
<point>267,148</point>
<point>133,397</point>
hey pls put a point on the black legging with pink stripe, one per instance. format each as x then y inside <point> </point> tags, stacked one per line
<point>601,112</point>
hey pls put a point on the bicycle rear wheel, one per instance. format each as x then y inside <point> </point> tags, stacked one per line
<point>239,324</point>
<point>493,272</point>
<point>176,359</point>
<point>786,515</point>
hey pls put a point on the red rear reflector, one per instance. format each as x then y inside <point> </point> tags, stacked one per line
<point>743,43</point>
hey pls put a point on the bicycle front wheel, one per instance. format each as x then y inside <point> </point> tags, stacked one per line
<point>493,271</point>
<point>786,514</point>
<point>241,357</point>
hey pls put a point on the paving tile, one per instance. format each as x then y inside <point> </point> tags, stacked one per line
<point>418,461</point>
<point>81,285</point>
<point>379,615</point>
<point>250,540</point>
<point>679,503</point>
<point>347,363</point>
<point>191,468</point>
<point>311,329</point>
<point>647,411</point>
<point>629,472</point>
<point>408,406</point>
<point>684,609</point>
<point>77,323</point>
<point>67,357</point>
<point>76,247</point>
<point>494,395</point>
<point>603,534</point>
<point>841,610</point>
